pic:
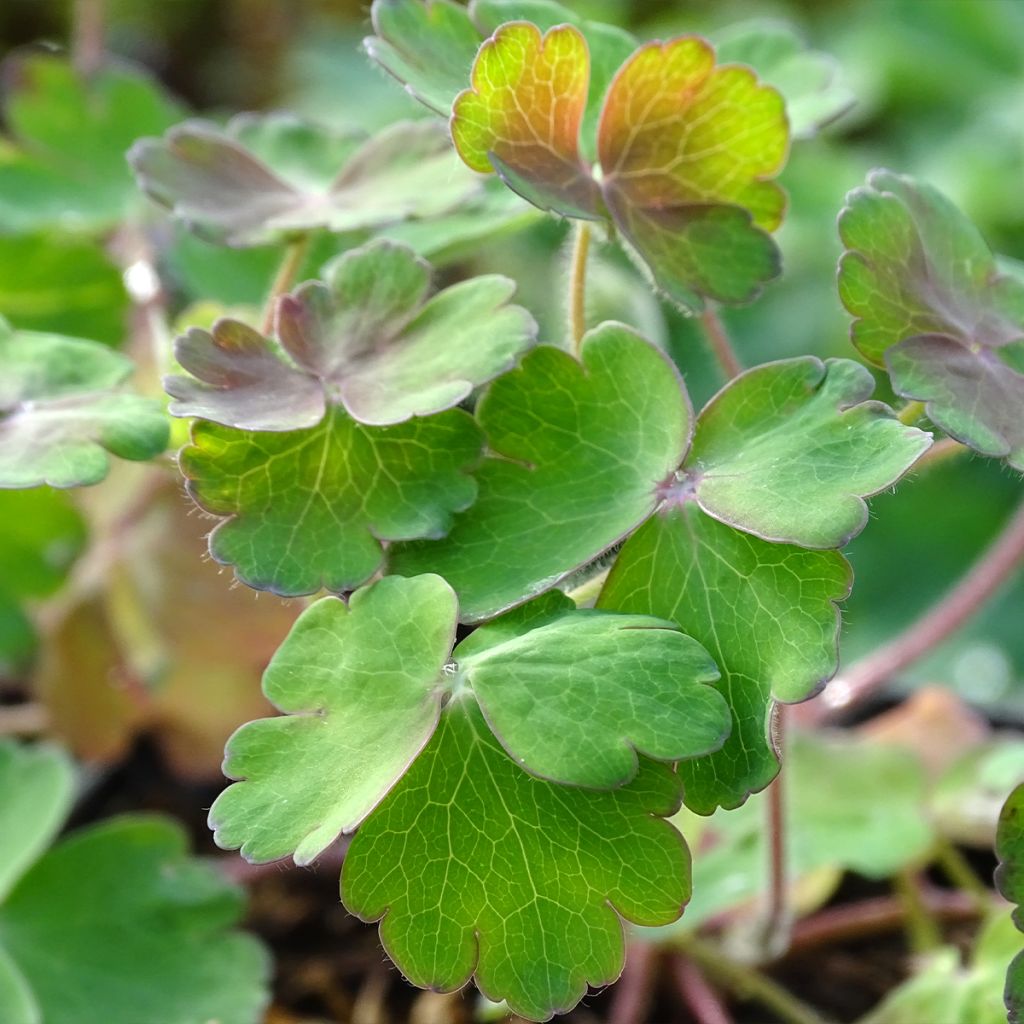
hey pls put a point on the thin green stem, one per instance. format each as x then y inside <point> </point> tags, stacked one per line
<point>287,273</point>
<point>717,338</point>
<point>578,285</point>
<point>923,934</point>
<point>748,983</point>
<point>911,412</point>
<point>957,869</point>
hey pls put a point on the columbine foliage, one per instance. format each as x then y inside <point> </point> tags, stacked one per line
<point>426,458</point>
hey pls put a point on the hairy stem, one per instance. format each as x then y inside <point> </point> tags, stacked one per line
<point>88,30</point>
<point>747,982</point>
<point>700,998</point>
<point>995,566</point>
<point>578,285</point>
<point>923,934</point>
<point>287,273</point>
<point>719,344</point>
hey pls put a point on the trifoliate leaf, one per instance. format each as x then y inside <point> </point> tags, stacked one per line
<point>307,510</point>
<point>263,177</point>
<point>140,933</point>
<point>810,82</point>
<point>723,587</point>
<point>479,869</point>
<point>789,450</point>
<point>571,695</point>
<point>931,303</point>
<point>61,413</point>
<point>42,535</point>
<point>1010,882</point>
<point>428,46</point>
<point>686,183</point>
<point>360,688</point>
<point>65,168</point>
<point>367,339</point>
<point>62,284</point>
<point>579,452</point>
<point>36,787</point>
<point>851,804</point>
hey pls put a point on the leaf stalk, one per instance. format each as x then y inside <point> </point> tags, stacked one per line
<point>578,285</point>
<point>287,273</point>
<point>719,344</point>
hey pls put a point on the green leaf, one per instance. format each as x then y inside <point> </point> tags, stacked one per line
<point>723,587</point>
<point>306,510</point>
<point>571,695</point>
<point>930,301</point>
<point>575,698</point>
<point>64,285</point>
<point>61,413</point>
<point>37,784</point>
<point>43,534</point>
<point>368,339</point>
<point>478,869</point>
<point>851,804</point>
<point>687,184</point>
<point>264,177</point>
<point>810,82</point>
<point>428,46</point>
<point>1010,883</point>
<point>789,450</point>
<point>579,452</point>
<point>360,689</point>
<point>125,893</point>
<point>65,168</point>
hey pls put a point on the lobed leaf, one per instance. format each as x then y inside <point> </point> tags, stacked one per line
<point>124,892</point>
<point>789,450</point>
<point>306,510</point>
<point>62,413</point>
<point>367,339</point>
<point>263,177</point>
<point>686,151</point>
<point>723,587</point>
<point>572,696</point>
<point>931,303</point>
<point>65,166</point>
<point>477,869</point>
<point>579,449</point>
<point>1010,883</point>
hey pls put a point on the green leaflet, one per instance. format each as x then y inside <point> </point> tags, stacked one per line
<point>306,510</point>
<point>1010,882</point>
<point>478,869</point>
<point>931,304</point>
<point>579,452</point>
<point>61,415</point>
<point>573,696</point>
<point>724,587</point>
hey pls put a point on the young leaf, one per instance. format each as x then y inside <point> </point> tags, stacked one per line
<point>686,152</point>
<point>573,696</point>
<point>579,452</point>
<point>306,510</point>
<point>724,587</point>
<point>61,413</point>
<point>428,46</point>
<point>66,166</point>
<point>810,82</point>
<point>1010,882</point>
<point>37,784</point>
<point>263,177</point>
<point>931,303</point>
<point>125,893</point>
<point>360,688</point>
<point>789,450</point>
<point>478,869</point>
<point>368,339</point>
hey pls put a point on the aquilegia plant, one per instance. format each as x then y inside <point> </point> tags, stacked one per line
<point>505,756</point>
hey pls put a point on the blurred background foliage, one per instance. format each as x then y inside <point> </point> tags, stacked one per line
<point>939,91</point>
